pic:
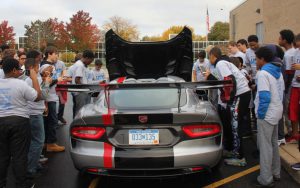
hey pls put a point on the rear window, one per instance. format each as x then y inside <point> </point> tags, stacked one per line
<point>146,98</point>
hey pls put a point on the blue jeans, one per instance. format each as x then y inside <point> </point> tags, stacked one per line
<point>37,142</point>
<point>51,122</point>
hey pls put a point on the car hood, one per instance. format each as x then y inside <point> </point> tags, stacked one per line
<point>149,59</point>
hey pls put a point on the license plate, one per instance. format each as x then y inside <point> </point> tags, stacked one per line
<point>143,137</point>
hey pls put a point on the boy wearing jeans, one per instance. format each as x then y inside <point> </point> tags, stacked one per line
<point>36,110</point>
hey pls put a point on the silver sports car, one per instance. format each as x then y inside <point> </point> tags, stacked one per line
<point>151,123</point>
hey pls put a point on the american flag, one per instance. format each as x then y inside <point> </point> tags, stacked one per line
<point>207,20</point>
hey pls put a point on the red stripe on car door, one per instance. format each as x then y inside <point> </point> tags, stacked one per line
<point>107,156</point>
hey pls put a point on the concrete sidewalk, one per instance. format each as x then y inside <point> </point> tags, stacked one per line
<point>290,154</point>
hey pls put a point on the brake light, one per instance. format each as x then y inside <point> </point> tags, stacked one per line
<point>195,131</point>
<point>197,169</point>
<point>91,133</point>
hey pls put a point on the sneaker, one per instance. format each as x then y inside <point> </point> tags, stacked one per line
<point>281,142</point>
<point>55,148</point>
<point>296,166</point>
<point>43,159</point>
<point>255,183</point>
<point>236,162</point>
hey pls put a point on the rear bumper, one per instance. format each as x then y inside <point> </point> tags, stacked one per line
<point>151,162</point>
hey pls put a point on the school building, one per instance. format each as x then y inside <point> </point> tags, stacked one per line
<point>265,18</point>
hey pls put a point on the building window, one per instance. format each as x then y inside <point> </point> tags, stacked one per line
<point>260,31</point>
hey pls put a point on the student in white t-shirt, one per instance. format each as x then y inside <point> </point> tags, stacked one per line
<point>240,94</point>
<point>235,52</point>
<point>36,110</point>
<point>98,74</point>
<point>242,45</point>
<point>250,64</point>
<point>51,121</point>
<point>250,61</point>
<point>294,108</point>
<point>81,74</point>
<point>285,40</point>
<point>14,121</point>
<point>269,109</point>
<point>200,66</point>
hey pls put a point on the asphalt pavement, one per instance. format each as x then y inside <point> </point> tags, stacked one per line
<point>62,174</point>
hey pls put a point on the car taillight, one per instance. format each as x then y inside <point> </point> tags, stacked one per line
<point>195,131</point>
<point>91,133</point>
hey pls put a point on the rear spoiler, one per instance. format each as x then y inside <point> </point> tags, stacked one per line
<point>203,85</point>
<point>90,88</point>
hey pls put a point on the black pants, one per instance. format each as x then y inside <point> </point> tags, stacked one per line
<point>74,105</point>
<point>14,146</point>
<point>225,115</point>
<point>243,114</point>
<point>51,123</point>
<point>61,109</point>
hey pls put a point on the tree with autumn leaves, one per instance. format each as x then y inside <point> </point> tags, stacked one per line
<point>7,34</point>
<point>122,27</point>
<point>83,34</point>
<point>77,35</point>
<point>173,30</point>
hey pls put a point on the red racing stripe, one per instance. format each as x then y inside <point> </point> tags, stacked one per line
<point>107,119</point>
<point>121,80</point>
<point>107,156</point>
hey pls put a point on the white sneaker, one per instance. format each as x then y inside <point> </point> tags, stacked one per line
<point>281,142</point>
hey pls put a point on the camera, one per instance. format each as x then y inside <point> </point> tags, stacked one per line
<point>27,72</point>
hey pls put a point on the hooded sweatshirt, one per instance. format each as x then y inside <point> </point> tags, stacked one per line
<point>270,87</point>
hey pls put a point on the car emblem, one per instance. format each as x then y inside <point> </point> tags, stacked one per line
<point>143,119</point>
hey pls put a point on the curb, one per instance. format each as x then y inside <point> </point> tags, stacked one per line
<point>286,161</point>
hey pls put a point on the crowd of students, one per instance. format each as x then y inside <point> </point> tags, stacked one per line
<point>266,92</point>
<point>266,83</point>
<point>31,107</point>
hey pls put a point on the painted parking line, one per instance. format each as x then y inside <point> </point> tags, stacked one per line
<point>94,183</point>
<point>233,177</point>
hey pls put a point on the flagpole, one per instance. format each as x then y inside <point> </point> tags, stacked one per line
<point>207,25</point>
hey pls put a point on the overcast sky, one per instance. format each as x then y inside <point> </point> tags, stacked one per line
<point>151,16</point>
